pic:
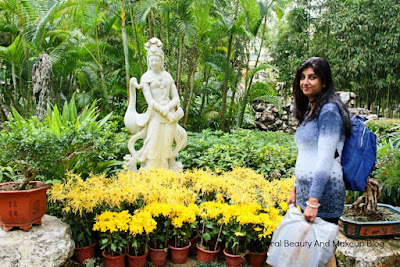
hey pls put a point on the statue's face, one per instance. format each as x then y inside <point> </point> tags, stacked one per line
<point>155,62</point>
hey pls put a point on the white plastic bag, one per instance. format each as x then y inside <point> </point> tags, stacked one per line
<point>296,242</point>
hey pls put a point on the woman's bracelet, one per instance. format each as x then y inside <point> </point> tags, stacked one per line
<point>313,206</point>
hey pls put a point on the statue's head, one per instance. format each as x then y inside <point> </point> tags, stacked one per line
<point>154,48</point>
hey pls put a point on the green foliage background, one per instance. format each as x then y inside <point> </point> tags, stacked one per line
<point>360,39</point>
<point>270,153</point>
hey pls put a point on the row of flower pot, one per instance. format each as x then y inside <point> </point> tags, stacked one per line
<point>158,257</point>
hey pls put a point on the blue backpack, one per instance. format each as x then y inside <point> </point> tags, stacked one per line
<point>359,155</point>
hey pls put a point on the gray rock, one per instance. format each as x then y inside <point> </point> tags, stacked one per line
<point>367,252</point>
<point>47,245</point>
<point>347,97</point>
<point>359,111</point>
<point>268,117</point>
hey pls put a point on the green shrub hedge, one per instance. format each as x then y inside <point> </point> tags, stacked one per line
<point>387,168</point>
<point>383,127</point>
<point>62,142</point>
<point>270,153</point>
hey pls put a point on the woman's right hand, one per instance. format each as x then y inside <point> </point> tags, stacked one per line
<point>292,197</point>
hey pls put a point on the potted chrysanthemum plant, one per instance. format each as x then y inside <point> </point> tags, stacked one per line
<point>113,228</point>
<point>210,228</point>
<point>259,233</point>
<point>160,236</point>
<point>77,204</point>
<point>237,223</point>
<point>183,222</point>
<point>140,226</point>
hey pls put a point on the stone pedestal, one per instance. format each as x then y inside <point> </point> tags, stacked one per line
<point>367,252</point>
<point>47,245</point>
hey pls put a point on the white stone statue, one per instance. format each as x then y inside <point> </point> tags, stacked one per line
<point>158,126</point>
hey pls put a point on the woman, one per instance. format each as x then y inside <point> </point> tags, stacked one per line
<point>324,124</point>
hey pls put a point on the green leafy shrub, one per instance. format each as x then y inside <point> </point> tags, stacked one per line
<point>388,132</point>
<point>270,153</point>
<point>7,174</point>
<point>388,175</point>
<point>63,142</point>
<point>382,127</point>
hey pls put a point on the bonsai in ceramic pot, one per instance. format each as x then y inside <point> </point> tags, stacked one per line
<point>22,202</point>
<point>22,208</point>
<point>43,151</point>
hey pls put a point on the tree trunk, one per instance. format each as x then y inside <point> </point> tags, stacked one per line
<point>4,109</point>
<point>225,86</point>
<point>13,75</point>
<point>191,86</point>
<point>192,61</point>
<point>232,103</point>
<point>226,74</point>
<point>248,85</point>
<point>150,28</point>
<point>204,96</point>
<point>178,76</point>
<point>242,104</point>
<point>139,54</point>
<point>369,199</point>
<point>42,79</point>
<point>126,51</point>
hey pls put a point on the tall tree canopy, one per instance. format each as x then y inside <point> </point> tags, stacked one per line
<point>213,49</point>
<point>359,38</point>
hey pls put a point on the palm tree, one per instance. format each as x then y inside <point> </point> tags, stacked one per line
<point>229,23</point>
<point>257,21</point>
<point>13,56</point>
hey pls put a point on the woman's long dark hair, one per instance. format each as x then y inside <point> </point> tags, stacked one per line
<point>327,95</point>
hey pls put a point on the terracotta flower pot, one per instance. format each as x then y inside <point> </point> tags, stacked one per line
<point>233,260</point>
<point>158,257</point>
<point>23,208</point>
<point>116,261</point>
<point>137,261</point>
<point>205,255</point>
<point>84,253</point>
<point>257,260</point>
<point>179,255</point>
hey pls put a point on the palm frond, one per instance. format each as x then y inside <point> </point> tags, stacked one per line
<point>270,98</point>
<point>83,99</point>
<point>258,68</point>
<point>38,36</point>
<point>143,10</point>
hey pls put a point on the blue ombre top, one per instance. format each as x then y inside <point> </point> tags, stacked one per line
<point>318,173</point>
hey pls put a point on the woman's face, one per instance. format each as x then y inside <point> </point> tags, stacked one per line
<point>155,62</point>
<point>310,83</point>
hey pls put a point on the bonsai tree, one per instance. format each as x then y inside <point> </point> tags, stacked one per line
<point>67,141</point>
<point>368,202</point>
